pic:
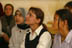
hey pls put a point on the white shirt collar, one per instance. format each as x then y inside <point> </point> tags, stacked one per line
<point>37,31</point>
<point>69,36</point>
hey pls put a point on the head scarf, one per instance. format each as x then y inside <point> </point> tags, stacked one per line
<point>22,26</point>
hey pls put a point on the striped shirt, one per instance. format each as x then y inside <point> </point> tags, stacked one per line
<point>67,43</point>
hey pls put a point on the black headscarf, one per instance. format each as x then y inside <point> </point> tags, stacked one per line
<point>23,26</point>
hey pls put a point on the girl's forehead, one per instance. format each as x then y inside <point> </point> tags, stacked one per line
<point>32,11</point>
<point>18,12</point>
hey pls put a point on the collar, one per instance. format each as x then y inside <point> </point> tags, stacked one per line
<point>37,31</point>
<point>69,37</point>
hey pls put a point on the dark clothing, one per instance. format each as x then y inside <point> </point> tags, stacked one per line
<point>9,18</point>
<point>3,43</point>
<point>23,26</point>
<point>33,43</point>
<point>7,23</point>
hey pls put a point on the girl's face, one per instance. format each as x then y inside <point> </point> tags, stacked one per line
<point>31,18</point>
<point>61,26</point>
<point>8,10</point>
<point>19,18</point>
<point>55,24</point>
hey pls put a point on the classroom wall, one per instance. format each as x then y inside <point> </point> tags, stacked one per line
<point>48,6</point>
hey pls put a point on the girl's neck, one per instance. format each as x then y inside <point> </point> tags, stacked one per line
<point>34,27</point>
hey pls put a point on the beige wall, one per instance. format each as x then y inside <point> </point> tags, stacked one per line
<point>48,6</point>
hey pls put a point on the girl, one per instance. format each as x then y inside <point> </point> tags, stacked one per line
<point>38,36</point>
<point>63,39</point>
<point>19,30</point>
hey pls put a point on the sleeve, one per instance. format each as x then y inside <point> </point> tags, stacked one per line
<point>54,41</point>
<point>0,28</point>
<point>23,44</point>
<point>1,33</point>
<point>45,41</point>
<point>11,43</point>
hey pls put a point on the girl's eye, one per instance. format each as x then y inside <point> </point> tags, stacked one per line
<point>18,14</point>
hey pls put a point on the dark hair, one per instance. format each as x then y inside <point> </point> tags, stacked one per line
<point>65,14</point>
<point>69,4</point>
<point>1,10</point>
<point>16,12</point>
<point>9,5</point>
<point>39,13</point>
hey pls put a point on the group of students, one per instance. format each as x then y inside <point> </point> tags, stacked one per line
<point>28,31</point>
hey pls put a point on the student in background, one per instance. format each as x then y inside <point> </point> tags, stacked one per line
<point>63,39</point>
<point>7,24</point>
<point>38,36</point>
<point>1,14</point>
<point>1,10</point>
<point>68,6</point>
<point>19,30</point>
